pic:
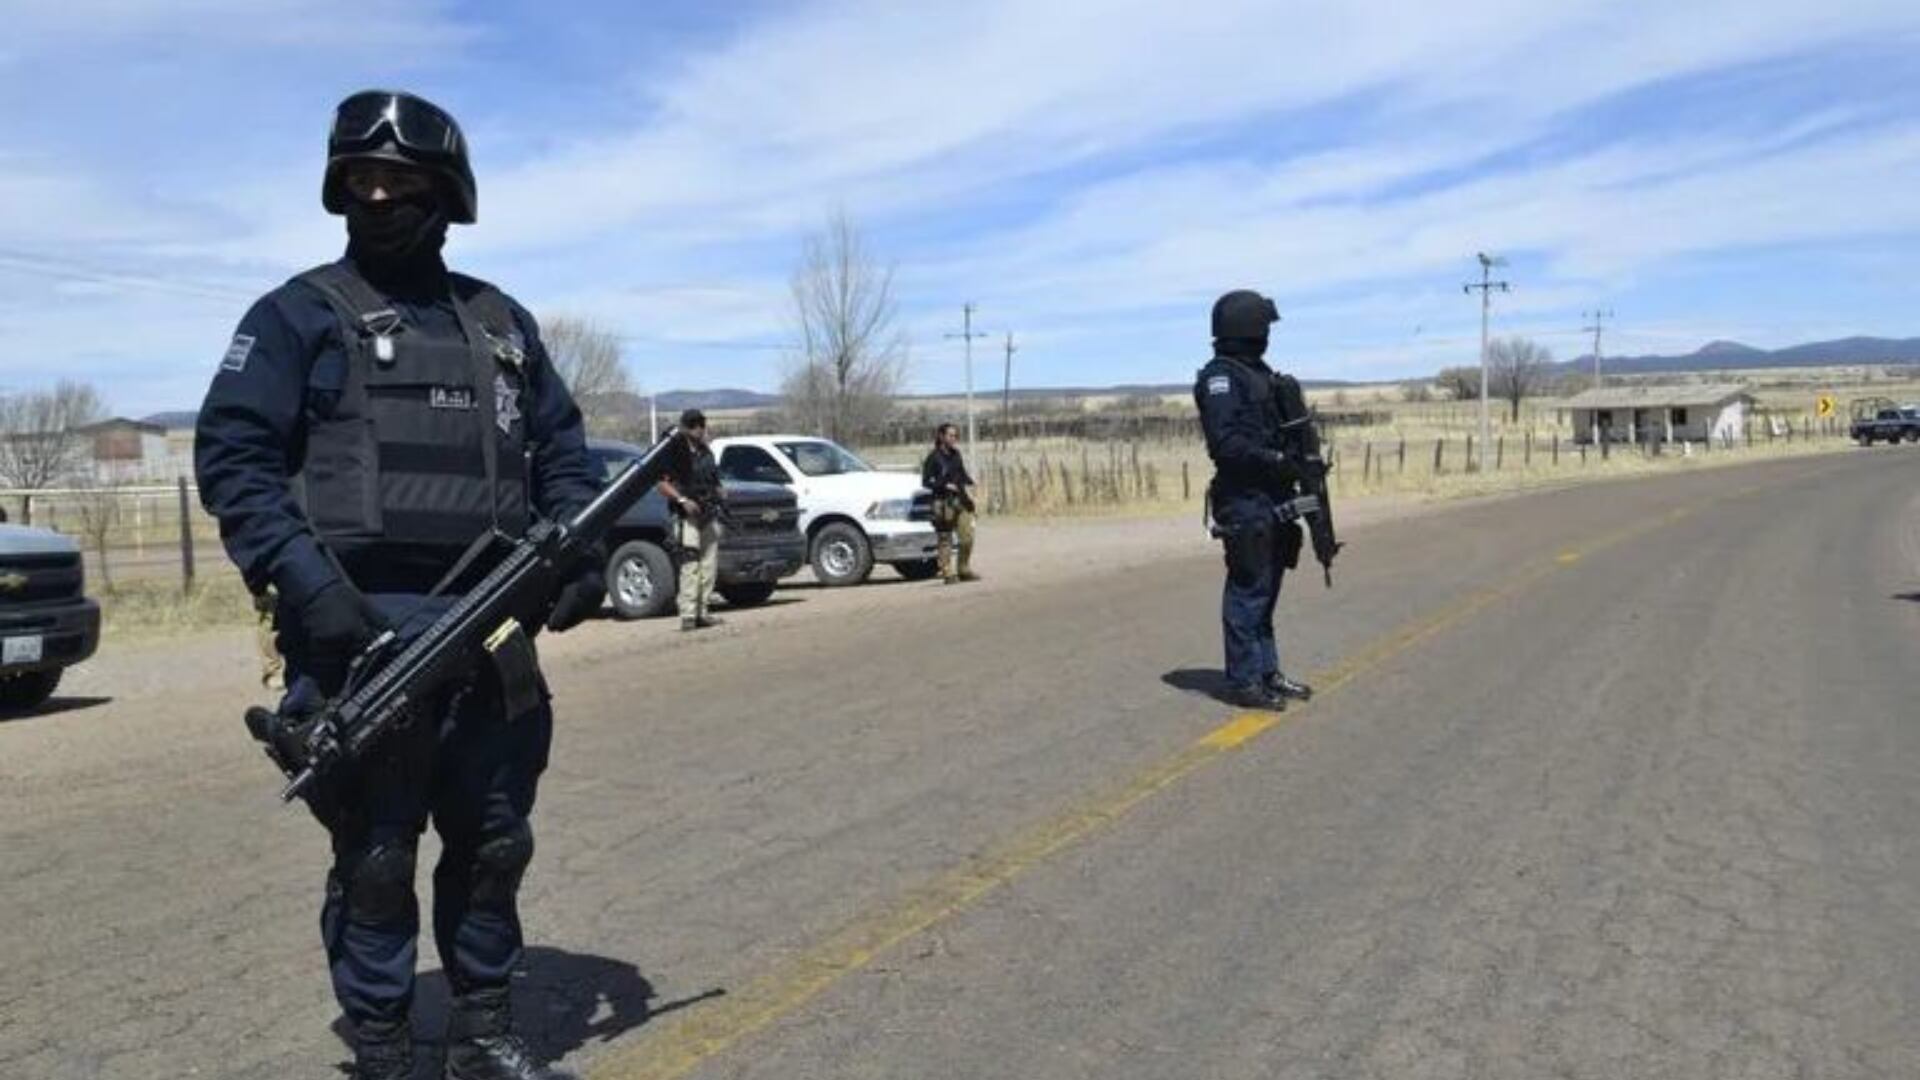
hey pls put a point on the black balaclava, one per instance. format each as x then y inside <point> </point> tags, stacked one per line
<point>399,239</point>
<point>1241,348</point>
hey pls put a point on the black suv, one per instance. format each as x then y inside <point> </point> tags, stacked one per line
<point>46,621</point>
<point>760,542</point>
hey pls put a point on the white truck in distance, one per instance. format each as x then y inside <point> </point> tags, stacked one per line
<point>852,514</point>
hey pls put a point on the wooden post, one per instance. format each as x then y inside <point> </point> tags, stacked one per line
<point>1186,486</point>
<point>1499,453</point>
<point>1403,454</point>
<point>1366,464</point>
<point>186,539</point>
<point>1470,467</point>
<point>1526,460</point>
<point>1439,447</point>
<point>1556,449</point>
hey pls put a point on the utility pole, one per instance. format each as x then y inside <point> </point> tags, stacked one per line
<point>967,335</point>
<point>1486,285</point>
<point>1598,317</point>
<point>1006,389</point>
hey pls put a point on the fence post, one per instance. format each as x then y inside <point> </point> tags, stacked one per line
<point>1439,447</point>
<point>1499,453</point>
<point>1470,465</point>
<point>1186,488</point>
<point>26,508</point>
<point>1526,460</point>
<point>186,539</point>
<point>1366,464</point>
<point>1556,449</point>
<point>1403,453</point>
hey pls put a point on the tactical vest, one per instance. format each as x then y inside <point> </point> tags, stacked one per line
<point>426,444</point>
<point>1257,392</point>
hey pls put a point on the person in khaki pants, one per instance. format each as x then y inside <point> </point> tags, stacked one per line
<point>694,495</point>
<point>945,474</point>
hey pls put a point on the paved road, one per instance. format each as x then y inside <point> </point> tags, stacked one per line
<point>1607,782</point>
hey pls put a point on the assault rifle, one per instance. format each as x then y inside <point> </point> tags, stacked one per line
<point>390,679</point>
<point>1315,507</point>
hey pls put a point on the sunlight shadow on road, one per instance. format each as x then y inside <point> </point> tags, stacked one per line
<point>562,1001</point>
<point>54,707</point>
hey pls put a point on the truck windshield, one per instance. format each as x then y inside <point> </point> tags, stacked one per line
<point>822,458</point>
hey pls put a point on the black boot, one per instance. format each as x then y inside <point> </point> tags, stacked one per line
<point>1285,687</point>
<point>383,1050</point>
<point>481,1044</point>
<point>1253,696</point>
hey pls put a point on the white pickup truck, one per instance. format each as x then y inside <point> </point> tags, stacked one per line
<point>852,514</point>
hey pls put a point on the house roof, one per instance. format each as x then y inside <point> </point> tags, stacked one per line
<point>1656,397</point>
<point>120,423</point>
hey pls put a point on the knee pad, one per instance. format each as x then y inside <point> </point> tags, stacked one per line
<point>378,882</point>
<point>499,863</point>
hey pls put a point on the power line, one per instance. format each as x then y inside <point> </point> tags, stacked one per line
<point>1599,318</point>
<point>967,335</point>
<point>1486,285</point>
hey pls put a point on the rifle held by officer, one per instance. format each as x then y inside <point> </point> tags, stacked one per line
<point>1320,518</point>
<point>391,678</point>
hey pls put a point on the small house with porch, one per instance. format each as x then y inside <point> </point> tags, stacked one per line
<point>1641,414</point>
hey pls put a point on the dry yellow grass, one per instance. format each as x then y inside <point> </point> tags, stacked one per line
<point>156,608</point>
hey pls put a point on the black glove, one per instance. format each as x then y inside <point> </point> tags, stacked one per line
<point>337,622</point>
<point>580,597</point>
<point>1283,469</point>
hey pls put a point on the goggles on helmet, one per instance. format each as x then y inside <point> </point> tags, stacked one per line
<point>371,119</point>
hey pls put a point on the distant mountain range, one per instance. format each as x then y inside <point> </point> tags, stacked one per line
<point>1713,356</point>
<point>1733,356</point>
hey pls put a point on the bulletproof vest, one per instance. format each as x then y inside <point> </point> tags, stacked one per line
<point>703,478</point>
<point>426,443</point>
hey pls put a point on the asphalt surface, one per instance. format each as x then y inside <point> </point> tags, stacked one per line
<point>1614,781</point>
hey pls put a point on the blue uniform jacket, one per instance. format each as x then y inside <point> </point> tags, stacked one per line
<point>286,357</point>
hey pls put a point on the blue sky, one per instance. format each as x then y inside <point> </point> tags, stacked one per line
<point>1091,174</point>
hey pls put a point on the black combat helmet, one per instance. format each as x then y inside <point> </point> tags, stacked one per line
<point>1243,315</point>
<point>392,125</point>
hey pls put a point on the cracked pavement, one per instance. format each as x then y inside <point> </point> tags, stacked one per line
<point>1650,815</point>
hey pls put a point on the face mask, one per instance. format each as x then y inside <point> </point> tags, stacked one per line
<point>396,234</point>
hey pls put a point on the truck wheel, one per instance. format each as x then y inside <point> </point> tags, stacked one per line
<point>27,690</point>
<point>747,593</point>
<point>919,569</point>
<point>841,555</point>
<point>640,580</point>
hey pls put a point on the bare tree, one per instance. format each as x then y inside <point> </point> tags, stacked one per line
<point>852,356</point>
<point>1416,391</point>
<point>1516,370</point>
<point>99,513</point>
<point>1459,383</point>
<point>587,358</point>
<point>39,441</point>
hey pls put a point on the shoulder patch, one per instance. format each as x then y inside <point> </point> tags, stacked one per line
<point>237,353</point>
<point>1219,384</point>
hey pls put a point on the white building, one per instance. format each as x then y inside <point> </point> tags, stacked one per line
<point>1636,414</point>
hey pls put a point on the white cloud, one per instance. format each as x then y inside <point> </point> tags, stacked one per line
<point>1077,166</point>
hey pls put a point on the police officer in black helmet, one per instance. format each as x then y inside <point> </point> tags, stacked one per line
<point>371,421</point>
<point>1261,440</point>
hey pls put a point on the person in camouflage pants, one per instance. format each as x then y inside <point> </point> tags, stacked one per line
<point>945,474</point>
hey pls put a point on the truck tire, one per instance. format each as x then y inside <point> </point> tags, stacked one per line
<point>27,690</point>
<point>841,555</point>
<point>918,569</point>
<point>747,593</point>
<point>640,580</point>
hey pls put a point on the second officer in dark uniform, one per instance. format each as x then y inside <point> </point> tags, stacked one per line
<point>1261,441</point>
<point>370,421</point>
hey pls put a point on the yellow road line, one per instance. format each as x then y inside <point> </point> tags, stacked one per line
<point>683,1045</point>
